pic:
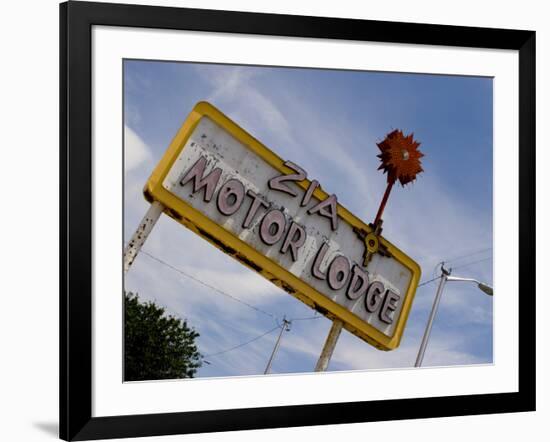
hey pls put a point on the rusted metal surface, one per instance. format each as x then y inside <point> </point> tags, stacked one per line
<point>400,157</point>
<point>142,232</point>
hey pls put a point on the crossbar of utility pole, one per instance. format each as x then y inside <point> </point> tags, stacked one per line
<point>142,232</point>
<point>329,346</point>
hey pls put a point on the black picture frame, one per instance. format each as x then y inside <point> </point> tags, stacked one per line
<point>76,21</point>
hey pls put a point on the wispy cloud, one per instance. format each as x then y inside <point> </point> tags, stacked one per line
<point>136,152</point>
<point>232,86</point>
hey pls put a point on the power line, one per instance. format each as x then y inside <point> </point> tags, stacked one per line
<point>468,255</point>
<point>234,298</point>
<point>472,263</point>
<point>454,268</point>
<point>304,319</point>
<point>170,266</point>
<point>242,344</point>
<point>427,282</point>
<point>458,258</point>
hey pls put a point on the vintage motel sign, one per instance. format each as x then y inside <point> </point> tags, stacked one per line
<point>225,185</point>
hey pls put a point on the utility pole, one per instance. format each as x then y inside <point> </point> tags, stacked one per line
<point>427,331</point>
<point>285,326</point>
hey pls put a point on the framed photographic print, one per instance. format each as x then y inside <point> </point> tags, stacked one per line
<point>272,221</point>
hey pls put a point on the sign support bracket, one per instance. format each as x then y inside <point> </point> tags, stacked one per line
<point>329,346</point>
<point>142,232</point>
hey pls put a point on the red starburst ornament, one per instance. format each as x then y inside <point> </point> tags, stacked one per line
<point>400,157</point>
<point>400,160</point>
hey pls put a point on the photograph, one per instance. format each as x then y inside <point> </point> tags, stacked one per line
<point>285,220</point>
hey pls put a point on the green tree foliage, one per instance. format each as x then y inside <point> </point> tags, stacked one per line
<point>157,346</point>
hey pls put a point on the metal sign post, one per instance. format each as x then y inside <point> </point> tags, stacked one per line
<point>142,232</point>
<point>329,346</point>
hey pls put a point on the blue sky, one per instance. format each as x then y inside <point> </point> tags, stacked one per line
<point>327,122</point>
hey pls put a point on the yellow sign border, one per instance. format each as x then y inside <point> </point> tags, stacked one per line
<point>232,245</point>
